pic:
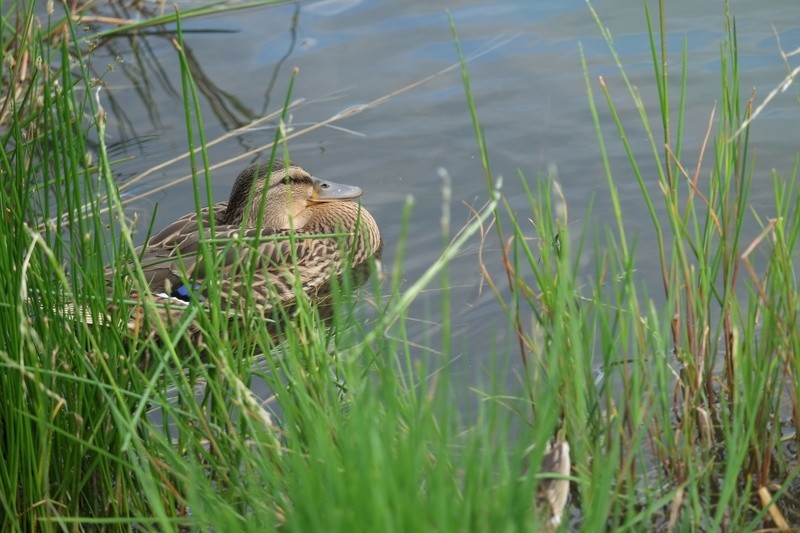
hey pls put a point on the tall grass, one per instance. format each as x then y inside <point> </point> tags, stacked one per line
<point>675,414</point>
<point>686,417</point>
<point>730,404</point>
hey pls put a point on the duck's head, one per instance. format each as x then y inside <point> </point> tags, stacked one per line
<point>286,195</point>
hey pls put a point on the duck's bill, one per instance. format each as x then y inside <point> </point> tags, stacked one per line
<point>328,191</point>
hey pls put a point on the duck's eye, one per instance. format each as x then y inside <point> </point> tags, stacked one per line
<point>287,180</point>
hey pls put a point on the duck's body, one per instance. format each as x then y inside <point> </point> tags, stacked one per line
<point>285,228</point>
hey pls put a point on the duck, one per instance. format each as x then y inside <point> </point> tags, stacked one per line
<point>301,230</point>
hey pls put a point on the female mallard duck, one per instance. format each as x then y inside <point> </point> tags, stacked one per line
<point>284,219</point>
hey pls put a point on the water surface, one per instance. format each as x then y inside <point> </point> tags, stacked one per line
<point>531,101</point>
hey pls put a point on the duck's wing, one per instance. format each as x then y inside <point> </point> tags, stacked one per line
<point>172,251</point>
<point>186,226</point>
<point>172,259</point>
<point>283,259</point>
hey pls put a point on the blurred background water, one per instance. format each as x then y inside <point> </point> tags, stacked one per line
<point>531,100</point>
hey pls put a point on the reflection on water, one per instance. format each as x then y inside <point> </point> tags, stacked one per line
<point>531,101</point>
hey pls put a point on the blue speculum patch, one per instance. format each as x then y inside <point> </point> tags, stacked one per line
<point>182,292</point>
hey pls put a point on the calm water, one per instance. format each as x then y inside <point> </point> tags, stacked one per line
<point>530,96</point>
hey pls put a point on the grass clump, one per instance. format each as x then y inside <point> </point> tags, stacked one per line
<point>675,414</point>
<point>92,437</point>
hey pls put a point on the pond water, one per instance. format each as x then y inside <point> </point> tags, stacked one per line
<point>531,100</point>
